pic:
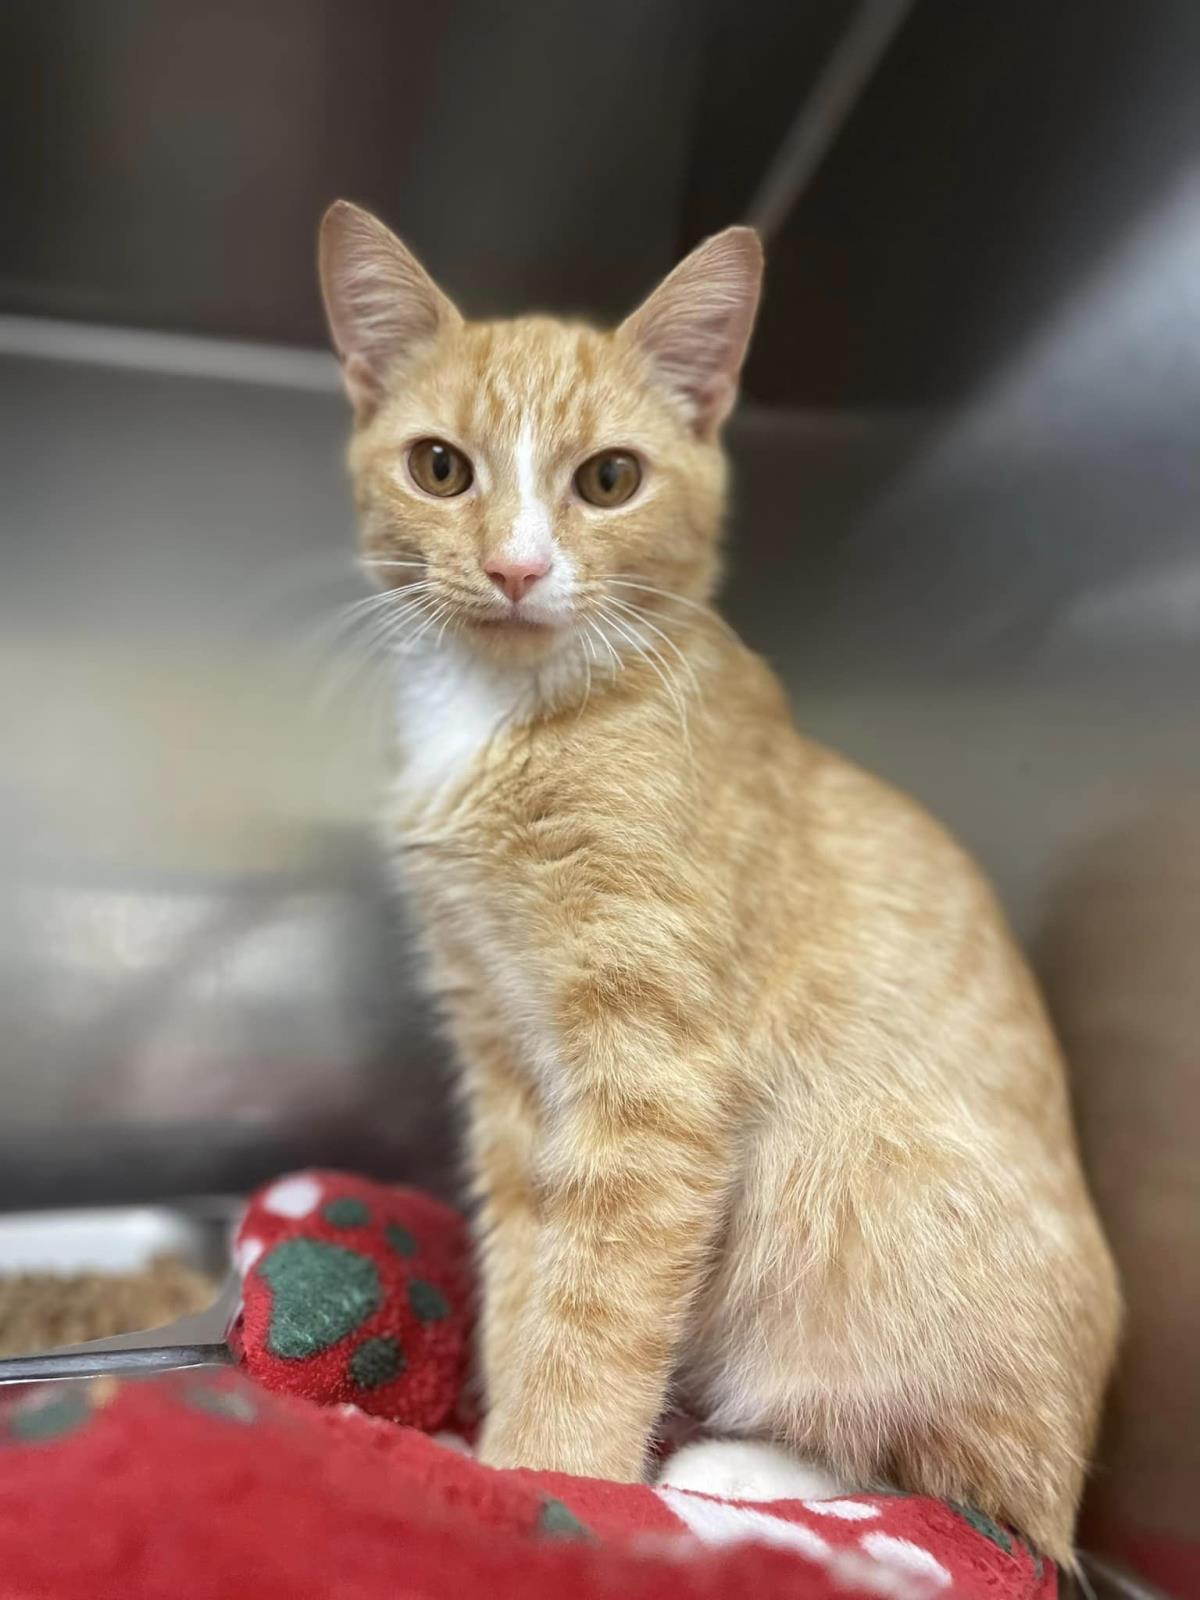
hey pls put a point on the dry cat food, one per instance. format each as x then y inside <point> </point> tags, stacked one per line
<point>42,1310</point>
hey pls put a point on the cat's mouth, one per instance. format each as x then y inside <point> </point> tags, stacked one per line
<point>523,626</point>
<point>512,622</point>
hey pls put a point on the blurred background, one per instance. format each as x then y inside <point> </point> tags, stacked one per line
<point>966,532</point>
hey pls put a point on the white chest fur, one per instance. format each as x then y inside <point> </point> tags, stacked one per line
<point>449,707</point>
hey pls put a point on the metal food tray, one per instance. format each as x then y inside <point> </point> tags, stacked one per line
<point>119,1239</point>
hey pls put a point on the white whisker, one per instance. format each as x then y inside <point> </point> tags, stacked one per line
<point>378,632</point>
<point>655,662</point>
<point>381,602</point>
<point>706,611</point>
<point>330,629</point>
<point>434,617</point>
<point>617,663</point>
<point>366,632</point>
<point>373,634</point>
<point>441,631</point>
<point>587,663</point>
<point>393,635</point>
<point>640,616</point>
<point>337,679</point>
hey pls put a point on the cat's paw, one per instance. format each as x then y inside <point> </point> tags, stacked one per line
<point>747,1469</point>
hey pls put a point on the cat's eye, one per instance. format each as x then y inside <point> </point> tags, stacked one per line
<point>439,468</point>
<point>608,479</point>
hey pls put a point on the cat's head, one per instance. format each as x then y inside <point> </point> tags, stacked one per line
<point>528,478</point>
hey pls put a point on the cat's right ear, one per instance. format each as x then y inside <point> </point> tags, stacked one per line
<point>379,300</point>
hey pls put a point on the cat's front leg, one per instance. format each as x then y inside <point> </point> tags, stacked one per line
<point>632,1184</point>
<point>503,1122</point>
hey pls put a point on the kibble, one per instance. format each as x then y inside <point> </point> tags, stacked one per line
<point>42,1310</point>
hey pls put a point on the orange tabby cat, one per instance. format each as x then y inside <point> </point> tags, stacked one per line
<point>766,1115</point>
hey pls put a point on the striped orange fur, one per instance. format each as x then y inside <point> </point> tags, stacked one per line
<point>765,1114</point>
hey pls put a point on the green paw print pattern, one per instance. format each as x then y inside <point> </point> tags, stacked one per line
<point>355,1291</point>
<point>401,1241</point>
<point>346,1212</point>
<point>215,1400</point>
<point>376,1361</point>
<point>983,1524</point>
<point>557,1521</point>
<point>428,1302</point>
<point>49,1415</point>
<point>320,1293</point>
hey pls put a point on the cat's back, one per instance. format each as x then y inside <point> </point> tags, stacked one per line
<point>832,836</point>
<point>869,922</point>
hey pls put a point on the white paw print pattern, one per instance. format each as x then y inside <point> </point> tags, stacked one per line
<point>294,1197</point>
<point>881,1564</point>
<point>246,1252</point>
<point>902,1555</point>
<point>843,1510</point>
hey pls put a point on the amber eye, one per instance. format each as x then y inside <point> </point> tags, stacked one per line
<point>608,479</point>
<point>439,468</point>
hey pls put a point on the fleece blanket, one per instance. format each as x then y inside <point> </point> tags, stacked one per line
<point>336,1462</point>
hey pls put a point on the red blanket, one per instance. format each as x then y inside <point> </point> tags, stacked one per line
<point>204,1485</point>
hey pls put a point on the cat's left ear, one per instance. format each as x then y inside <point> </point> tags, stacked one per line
<point>380,301</point>
<point>696,325</point>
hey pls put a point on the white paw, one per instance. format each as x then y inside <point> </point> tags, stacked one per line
<point>747,1469</point>
<point>452,1441</point>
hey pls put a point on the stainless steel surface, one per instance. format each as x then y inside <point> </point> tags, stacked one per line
<point>1106,1582</point>
<point>117,1239</point>
<point>127,1239</point>
<point>966,531</point>
<point>825,111</point>
<point>132,1362</point>
<point>202,973</point>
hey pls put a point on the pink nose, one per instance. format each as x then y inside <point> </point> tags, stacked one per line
<point>516,578</point>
